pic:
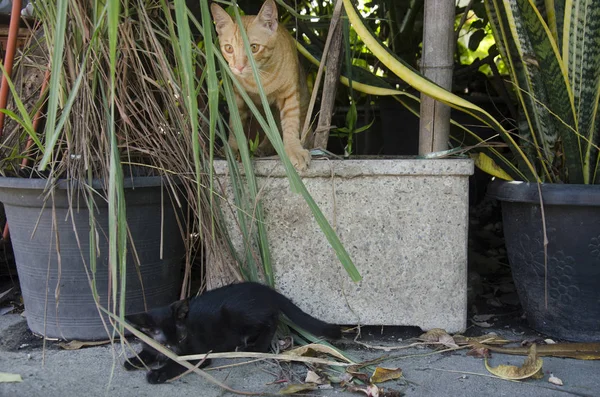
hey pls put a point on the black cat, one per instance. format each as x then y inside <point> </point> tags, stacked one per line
<point>240,317</point>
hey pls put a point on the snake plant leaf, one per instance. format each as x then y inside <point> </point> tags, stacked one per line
<point>534,118</point>
<point>489,166</point>
<point>555,67</point>
<point>582,58</point>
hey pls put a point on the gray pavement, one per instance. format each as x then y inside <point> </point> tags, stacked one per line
<point>97,371</point>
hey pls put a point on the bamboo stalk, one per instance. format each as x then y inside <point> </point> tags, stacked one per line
<point>437,65</point>
<point>332,77</point>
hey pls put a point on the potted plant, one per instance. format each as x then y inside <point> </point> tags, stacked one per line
<point>93,202</point>
<point>552,216</point>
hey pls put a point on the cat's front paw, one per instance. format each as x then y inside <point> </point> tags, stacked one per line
<point>299,157</point>
<point>129,366</point>
<point>157,376</point>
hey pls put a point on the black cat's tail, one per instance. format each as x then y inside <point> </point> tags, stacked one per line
<point>306,321</point>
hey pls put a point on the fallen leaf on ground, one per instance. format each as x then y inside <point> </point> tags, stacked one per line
<point>479,351</point>
<point>482,324</point>
<point>10,378</point>
<point>374,391</point>
<point>495,302</point>
<point>355,373</point>
<point>384,374</point>
<point>554,380</point>
<point>313,377</point>
<point>440,336</point>
<point>342,380</point>
<point>312,349</point>
<point>433,335</point>
<point>483,317</point>
<point>370,390</point>
<point>581,351</point>
<point>77,344</point>
<point>285,343</point>
<point>297,388</point>
<point>530,368</point>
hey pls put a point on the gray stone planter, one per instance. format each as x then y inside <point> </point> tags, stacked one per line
<point>403,222</point>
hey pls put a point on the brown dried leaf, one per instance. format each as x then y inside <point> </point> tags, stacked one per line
<point>285,343</point>
<point>369,391</point>
<point>297,388</point>
<point>530,367</point>
<point>355,373</point>
<point>433,335</point>
<point>77,344</point>
<point>381,375</point>
<point>313,377</point>
<point>479,352</point>
<point>495,302</point>
<point>313,349</point>
<point>440,336</point>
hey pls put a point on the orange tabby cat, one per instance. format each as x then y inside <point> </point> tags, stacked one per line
<point>281,75</point>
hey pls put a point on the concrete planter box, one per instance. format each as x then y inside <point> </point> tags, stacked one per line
<point>403,222</point>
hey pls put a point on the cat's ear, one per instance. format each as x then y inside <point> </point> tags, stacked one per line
<point>181,308</point>
<point>221,17</point>
<point>267,16</point>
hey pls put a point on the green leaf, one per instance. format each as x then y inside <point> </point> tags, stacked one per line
<point>55,83</point>
<point>476,38</point>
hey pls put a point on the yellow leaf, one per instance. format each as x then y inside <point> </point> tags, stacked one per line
<point>10,378</point>
<point>532,367</point>
<point>76,344</point>
<point>384,374</point>
<point>488,165</point>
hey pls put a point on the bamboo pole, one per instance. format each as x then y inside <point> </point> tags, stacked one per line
<point>437,65</point>
<point>332,78</point>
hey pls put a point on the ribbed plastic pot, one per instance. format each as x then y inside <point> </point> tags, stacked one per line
<point>568,279</point>
<point>54,283</point>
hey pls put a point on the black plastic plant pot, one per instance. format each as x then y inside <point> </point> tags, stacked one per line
<point>55,282</point>
<point>559,291</point>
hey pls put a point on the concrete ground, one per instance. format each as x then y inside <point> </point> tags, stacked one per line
<point>97,371</point>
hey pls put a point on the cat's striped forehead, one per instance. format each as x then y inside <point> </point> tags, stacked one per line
<point>256,33</point>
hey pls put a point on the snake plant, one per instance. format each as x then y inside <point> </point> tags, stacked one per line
<point>551,48</point>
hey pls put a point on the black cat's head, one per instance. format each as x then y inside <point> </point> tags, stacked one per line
<point>166,325</point>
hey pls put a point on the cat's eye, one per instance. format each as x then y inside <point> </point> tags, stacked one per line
<point>228,48</point>
<point>255,48</point>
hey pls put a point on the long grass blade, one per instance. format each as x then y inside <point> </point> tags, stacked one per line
<point>257,213</point>
<point>55,83</point>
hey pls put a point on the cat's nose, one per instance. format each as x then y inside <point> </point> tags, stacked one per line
<point>240,68</point>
